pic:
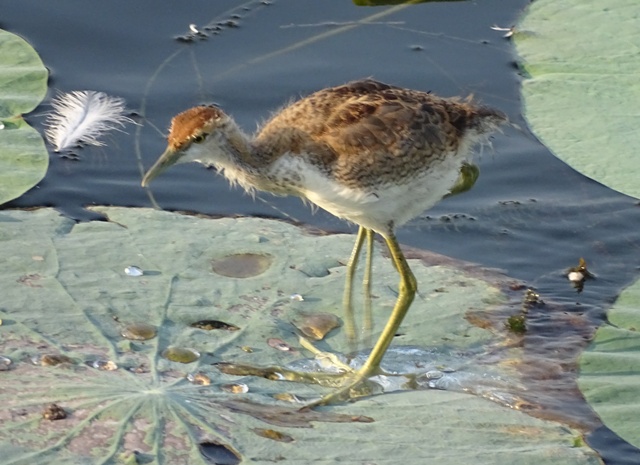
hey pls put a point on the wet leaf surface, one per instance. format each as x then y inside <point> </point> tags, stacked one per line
<point>148,404</point>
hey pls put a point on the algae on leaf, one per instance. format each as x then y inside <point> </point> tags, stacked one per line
<point>581,91</point>
<point>23,85</point>
<point>67,301</point>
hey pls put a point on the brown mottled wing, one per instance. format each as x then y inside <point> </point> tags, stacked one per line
<point>363,121</point>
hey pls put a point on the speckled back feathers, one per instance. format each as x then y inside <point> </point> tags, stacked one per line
<point>367,131</point>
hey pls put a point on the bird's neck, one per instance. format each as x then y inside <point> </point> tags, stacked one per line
<point>232,153</point>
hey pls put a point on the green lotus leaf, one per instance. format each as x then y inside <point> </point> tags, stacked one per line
<point>89,310</point>
<point>610,369</point>
<point>23,85</point>
<point>581,92</point>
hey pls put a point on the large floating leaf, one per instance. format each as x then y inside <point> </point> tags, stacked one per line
<point>23,85</point>
<point>582,92</point>
<point>395,2</point>
<point>65,292</point>
<point>610,369</point>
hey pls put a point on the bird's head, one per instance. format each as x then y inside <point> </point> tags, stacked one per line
<point>195,134</point>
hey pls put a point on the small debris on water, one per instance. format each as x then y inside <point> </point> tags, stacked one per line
<point>105,365</point>
<point>316,325</point>
<point>279,344</point>
<point>531,299</point>
<point>5,363</point>
<point>273,434</point>
<point>579,274</point>
<point>517,324</point>
<point>210,325</point>
<point>54,412</point>
<point>287,397</point>
<point>199,378</point>
<point>139,331</point>
<point>508,31</point>
<point>235,388</point>
<point>142,368</point>
<point>575,276</point>
<point>51,360</point>
<point>185,38</point>
<point>133,271</point>
<point>180,355</point>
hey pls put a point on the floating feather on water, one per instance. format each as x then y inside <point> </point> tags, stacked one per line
<point>83,117</point>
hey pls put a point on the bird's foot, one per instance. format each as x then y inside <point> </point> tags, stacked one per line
<point>353,386</point>
<point>350,383</point>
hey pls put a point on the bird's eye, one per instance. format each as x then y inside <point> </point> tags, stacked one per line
<point>198,138</point>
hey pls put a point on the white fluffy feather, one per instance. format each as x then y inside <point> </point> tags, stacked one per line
<point>83,117</point>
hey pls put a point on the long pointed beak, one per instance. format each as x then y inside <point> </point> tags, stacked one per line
<point>168,158</point>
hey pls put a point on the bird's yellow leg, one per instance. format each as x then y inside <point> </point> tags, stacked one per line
<point>407,290</point>
<point>347,298</point>
<point>347,301</point>
<point>367,326</point>
<point>349,383</point>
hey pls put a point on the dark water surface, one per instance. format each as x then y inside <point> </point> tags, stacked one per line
<point>529,214</point>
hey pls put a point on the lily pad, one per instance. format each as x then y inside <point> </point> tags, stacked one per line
<point>610,369</point>
<point>581,91</point>
<point>23,85</point>
<point>66,293</point>
<point>395,2</point>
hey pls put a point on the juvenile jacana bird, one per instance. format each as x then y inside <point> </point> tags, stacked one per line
<point>367,152</point>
